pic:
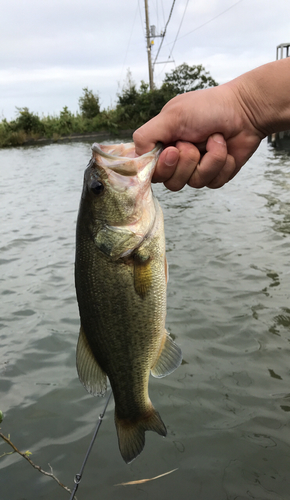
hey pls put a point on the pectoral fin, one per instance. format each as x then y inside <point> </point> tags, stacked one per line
<point>90,373</point>
<point>169,357</point>
<point>142,273</point>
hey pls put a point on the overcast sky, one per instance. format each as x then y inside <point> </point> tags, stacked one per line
<point>50,50</point>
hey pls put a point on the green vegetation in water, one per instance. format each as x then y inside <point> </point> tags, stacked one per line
<point>133,108</point>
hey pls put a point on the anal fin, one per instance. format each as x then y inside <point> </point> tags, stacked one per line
<point>169,357</point>
<point>90,373</point>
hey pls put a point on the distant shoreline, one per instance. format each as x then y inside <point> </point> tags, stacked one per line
<point>99,136</point>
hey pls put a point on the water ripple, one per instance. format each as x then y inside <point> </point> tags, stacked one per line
<point>226,407</point>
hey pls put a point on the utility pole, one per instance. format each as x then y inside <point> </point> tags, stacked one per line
<point>151,83</point>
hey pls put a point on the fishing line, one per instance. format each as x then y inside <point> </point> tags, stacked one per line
<point>78,476</point>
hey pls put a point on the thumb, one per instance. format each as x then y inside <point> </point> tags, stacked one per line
<point>146,137</point>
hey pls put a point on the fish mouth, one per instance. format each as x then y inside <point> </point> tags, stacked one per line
<point>122,158</point>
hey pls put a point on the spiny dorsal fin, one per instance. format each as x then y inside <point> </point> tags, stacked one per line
<point>169,357</point>
<point>90,373</point>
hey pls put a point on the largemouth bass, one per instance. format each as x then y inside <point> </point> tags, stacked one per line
<point>121,277</point>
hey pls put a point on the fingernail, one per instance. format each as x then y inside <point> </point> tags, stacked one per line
<point>171,158</point>
<point>219,138</point>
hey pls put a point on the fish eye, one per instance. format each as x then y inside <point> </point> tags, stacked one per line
<point>97,187</point>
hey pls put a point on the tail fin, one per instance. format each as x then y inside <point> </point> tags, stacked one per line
<point>131,433</point>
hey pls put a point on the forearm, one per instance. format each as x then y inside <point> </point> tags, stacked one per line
<point>264,94</point>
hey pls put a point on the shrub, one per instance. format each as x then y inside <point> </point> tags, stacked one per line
<point>89,104</point>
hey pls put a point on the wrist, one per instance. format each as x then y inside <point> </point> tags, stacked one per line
<point>263,94</point>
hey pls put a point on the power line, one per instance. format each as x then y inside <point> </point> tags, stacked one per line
<point>176,35</point>
<point>141,19</point>
<point>162,7</point>
<point>129,41</point>
<point>157,12</point>
<point>178,29</point>
<point>198,27</point>
<point>164,32</point>
<point>210,20</point>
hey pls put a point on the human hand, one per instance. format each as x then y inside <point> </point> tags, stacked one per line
<point>196,165</point>
<point>207,135</point>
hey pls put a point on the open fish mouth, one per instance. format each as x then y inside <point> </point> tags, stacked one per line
<point>122,151</point>
<point>122,158</point>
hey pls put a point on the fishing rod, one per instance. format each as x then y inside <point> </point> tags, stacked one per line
<point>78,477</point>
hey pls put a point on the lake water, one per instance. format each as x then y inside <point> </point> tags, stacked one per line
<point>227,408</point>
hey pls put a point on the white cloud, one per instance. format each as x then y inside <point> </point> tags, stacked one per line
<point>50,50</point>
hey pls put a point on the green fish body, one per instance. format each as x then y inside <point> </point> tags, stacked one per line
<point>121,277</point>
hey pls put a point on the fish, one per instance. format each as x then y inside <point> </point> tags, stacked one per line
<point>121,277</point>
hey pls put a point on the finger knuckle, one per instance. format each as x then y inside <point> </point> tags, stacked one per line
<point>216,183</point>
<point>137,136</point>
<point>196,182</point>
<point>219,157</point>
<point>194,156</point>
<point>173,185</point>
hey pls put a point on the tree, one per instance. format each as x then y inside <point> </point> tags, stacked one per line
<point>150,102</point>
<point>89,103</point>
<point>126,110</point>
<point>65,123</point>
<point>129,94</point>
<point>136,106</point>
<point>186,78</point>
<point>27,121</point>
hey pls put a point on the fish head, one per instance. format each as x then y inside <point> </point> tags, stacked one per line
<point>117,188</point>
